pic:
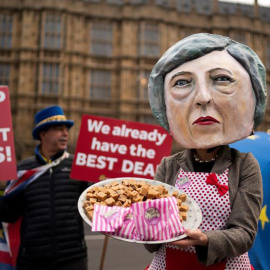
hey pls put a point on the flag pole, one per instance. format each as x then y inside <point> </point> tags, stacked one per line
<point>105,243</point>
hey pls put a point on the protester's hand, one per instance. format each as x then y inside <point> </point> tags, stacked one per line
<point>194,237</point>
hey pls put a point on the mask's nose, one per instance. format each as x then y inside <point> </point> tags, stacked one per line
<point>203,96</point>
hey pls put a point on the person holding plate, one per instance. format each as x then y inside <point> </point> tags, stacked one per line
<point>209,91</point>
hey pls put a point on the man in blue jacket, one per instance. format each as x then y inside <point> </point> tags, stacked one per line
<point>51,232</point>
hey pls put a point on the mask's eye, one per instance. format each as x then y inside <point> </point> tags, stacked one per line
<point>223,79</point>
<point>181,82</point>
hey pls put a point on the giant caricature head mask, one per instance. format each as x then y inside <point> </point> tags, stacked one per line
<point>208,90</point>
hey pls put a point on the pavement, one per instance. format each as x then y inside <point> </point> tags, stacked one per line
<point>119,255</point>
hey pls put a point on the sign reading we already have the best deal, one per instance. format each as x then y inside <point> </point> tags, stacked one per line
<point>109,148</point>
<point>8,169</point>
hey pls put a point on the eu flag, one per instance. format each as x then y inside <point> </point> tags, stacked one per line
<point>259,146</point>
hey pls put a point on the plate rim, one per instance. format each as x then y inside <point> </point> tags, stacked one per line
<point>104,182</point>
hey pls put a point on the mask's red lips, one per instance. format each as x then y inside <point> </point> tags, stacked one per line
<point>208,120</point>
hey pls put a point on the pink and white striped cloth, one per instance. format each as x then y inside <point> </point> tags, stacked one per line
<point>144,221</point>
<point>108,218</point>
<point>157,220</point>
<point>127,230</point>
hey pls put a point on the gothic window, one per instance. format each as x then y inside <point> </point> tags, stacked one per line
<point>101,39</point>
<point>239,37</point>
<point>148,119</point>
<point>143,84</point>
<point>52,31</point>
<point>50,79</point>
<point>115,2</point>
<point>268,54</point>
<point>4,74</point>
<point>5,30</point>
<point>100,84</point>
<point>268,95</point>
<point>149,40</point>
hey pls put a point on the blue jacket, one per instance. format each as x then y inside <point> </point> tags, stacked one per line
<point>51,229</point>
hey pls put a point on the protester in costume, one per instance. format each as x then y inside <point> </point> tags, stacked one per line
<point>51,233</point>
<point>208,91</point>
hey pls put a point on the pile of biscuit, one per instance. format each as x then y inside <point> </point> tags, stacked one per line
<point>127,192</point>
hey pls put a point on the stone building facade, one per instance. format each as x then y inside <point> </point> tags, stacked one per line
<point>94,56</point>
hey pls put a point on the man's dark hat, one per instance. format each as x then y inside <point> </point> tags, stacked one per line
<point>50,116</point>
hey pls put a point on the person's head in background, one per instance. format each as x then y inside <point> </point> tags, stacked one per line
<point>51,129</point>
<point>208,90</point>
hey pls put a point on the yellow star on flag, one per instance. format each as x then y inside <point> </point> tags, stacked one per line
<point>263,217</point>
<point>2,234</point>
<point>253,137</point>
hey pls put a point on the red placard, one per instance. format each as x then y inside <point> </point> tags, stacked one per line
<point>8,168</point>
<point>109,148</point>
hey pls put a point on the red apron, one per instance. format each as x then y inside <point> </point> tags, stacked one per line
<point>214,201</point>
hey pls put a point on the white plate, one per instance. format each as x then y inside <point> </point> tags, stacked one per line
<point>194,214</point>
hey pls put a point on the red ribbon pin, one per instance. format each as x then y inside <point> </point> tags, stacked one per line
<point>212,180</point>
